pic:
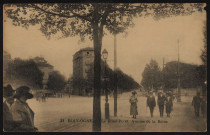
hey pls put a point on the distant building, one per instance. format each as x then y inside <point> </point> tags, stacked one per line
<point>45,68</point>
<point>6,59</point>
<point>82,62</point>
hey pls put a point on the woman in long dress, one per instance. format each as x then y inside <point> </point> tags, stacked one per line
<point>133,108</point>
<point>168,104</point>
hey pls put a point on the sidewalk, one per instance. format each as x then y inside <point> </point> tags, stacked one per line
<point>182,120</point>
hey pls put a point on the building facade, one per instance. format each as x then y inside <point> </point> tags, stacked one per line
<point>82,62</point>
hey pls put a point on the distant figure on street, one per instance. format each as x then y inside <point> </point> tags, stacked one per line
<point>86,91</point>
<point>8,123</point>
<point>37,97</point>
<point>21,112</point>
<point>133,108</point>
<point>168,104</point>
<point>43,97</point>
<point>151,103</point>
<point>196,103</point>
<point>160,101</point>
<point>203,107</point>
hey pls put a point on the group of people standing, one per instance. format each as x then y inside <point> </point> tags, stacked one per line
<point>41,97</point>
<point>162,101</point>
<point>17,115</point>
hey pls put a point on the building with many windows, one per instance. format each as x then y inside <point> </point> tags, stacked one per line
<point>82,62</point>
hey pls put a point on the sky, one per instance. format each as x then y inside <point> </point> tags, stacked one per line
<point>148,39</point>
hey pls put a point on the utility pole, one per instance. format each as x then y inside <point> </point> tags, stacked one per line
<point>115,75</point>
<point>163,74</point>
<point>178,79</point>
<point>163,62</point>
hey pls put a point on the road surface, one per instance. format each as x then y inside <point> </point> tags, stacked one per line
<point>74,114</point>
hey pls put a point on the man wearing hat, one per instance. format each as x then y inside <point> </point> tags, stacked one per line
<point>196,103</point>
<point>8,123</point>
<point>161,101</point>
<point>21,112</point>
<point>151,103</point>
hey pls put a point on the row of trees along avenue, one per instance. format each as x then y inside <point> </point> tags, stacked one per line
<point>26,72</point>
<point>192,76</point>
<point>125,82</point>
<point>90,19</point>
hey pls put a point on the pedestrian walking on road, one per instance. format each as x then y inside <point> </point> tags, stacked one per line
<point>133,108</point>
<point>196,103</point>
<point>160,101</point>
<point>168,104</point>
<point>43,97</point>
<point>21,112</point>
<point>151,103</point>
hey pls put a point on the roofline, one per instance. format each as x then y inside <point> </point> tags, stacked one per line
<point>84,49</point>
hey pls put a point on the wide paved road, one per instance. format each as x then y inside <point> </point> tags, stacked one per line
<point>77,113</point>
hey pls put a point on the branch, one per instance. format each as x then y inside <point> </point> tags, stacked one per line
<point>129,10</point>
<point>63,15</point>
<point>48,12</point>
<point>82,17</point>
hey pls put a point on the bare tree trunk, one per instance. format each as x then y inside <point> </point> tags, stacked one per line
<point>97,41</point>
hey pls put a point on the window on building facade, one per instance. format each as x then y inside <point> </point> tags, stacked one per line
<point>88,54</point>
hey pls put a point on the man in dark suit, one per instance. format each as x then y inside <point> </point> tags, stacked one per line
<point>160,101</point>
<point>151,103</point>
<point>196,103</point>
<point>8,123</point>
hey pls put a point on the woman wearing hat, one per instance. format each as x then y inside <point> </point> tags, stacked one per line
<point>133,108</point>
<point>168,104</point>
<point>8,122</point>
<point>21,112</point>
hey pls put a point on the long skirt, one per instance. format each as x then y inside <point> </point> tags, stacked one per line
<point>133,109</point>
<point>168,108</point>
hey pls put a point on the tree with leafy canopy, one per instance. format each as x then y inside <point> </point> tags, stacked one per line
<point>24,72</point>
<point>202,69</point>
<point>151,76</point>
<point>190,75</point>
<point>91,19</point>
<point>203,55</point>
<point>56,81</point>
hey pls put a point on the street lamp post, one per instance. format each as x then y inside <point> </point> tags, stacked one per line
<point>105,55</point>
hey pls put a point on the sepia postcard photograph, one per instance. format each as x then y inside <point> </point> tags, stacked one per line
<point>104,67</point>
